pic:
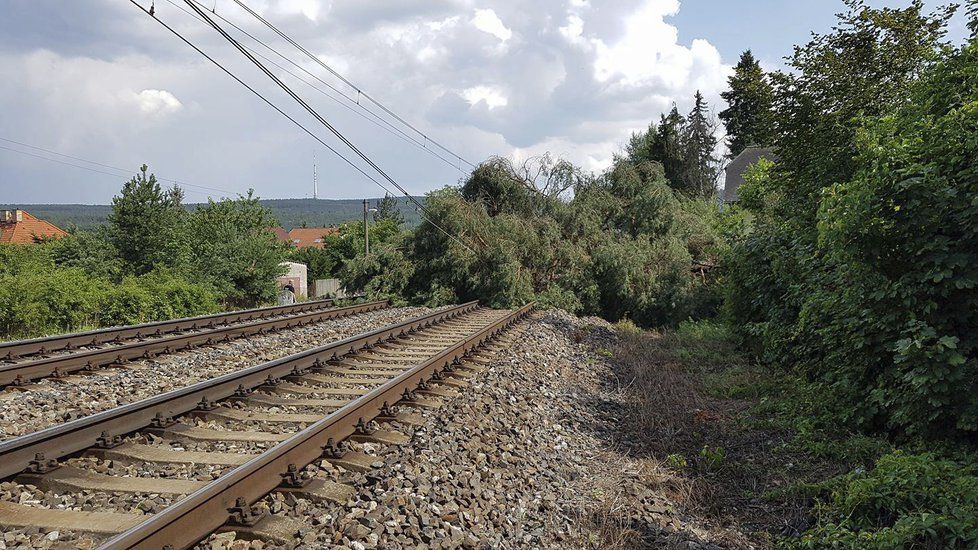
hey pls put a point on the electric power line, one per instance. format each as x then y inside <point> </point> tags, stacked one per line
<point>286,115</point>
<point>315,114</point>
<point>359,91</point>
<point>125,173</point>
<point>50,152</point>
<point>377,120</point>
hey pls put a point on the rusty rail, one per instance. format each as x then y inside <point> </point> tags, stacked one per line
<point>17,454</point>
<point>19,348</point>
<point>201,513</point>
<point>25,371</point>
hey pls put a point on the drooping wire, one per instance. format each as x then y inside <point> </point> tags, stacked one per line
<point>360,91</point>
<point>124,171</point>
<point>374,119</point>
<point>315,114</point>
<point>290,118</point>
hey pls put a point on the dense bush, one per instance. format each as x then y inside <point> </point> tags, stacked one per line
<point>38,297</point>
<point>906,501</point>
<point>861,271</point>
<point>346,243</point>
<point>623,246</point>
<point>232,250</point>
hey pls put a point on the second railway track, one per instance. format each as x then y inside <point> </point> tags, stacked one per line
<point>91,350</point>
<point>253,430</point>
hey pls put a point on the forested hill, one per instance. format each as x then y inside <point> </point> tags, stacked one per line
<point>289,212</point>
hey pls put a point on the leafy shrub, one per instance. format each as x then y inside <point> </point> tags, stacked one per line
<point>38,297</point>
<point>861,271</point>
<point>52,300</point>
<point>907,500</point>
<point>622,247</point>
<point>155,296</point>
<point>382,275</point>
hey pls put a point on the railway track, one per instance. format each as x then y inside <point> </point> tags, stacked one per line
<point>254,431</point>
<point>27,360</point>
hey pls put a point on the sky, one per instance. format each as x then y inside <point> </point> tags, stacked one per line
<point>100,81</point>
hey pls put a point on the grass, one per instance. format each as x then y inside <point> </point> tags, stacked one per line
<point>769,452</point>
<point>754,444</point>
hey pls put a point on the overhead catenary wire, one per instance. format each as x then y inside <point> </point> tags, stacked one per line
<point>353,106</point>
<point>315,114</point>
<point>126,173</point>
<point>289,117</point>
<point>50,152</point>
<point>360,91</point>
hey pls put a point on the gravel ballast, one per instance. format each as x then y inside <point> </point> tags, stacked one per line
<point>520,459</point>
<point>50,402</point>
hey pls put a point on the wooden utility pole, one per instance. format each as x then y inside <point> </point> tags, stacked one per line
<point>366,229</point>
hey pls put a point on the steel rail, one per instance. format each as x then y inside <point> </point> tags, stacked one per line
<point>191,519</point>
<point>16,349</point>
<point>23,372</point>
<point>17,454</point>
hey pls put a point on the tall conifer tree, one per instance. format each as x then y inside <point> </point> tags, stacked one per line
<point>700,164</point>
<point>748,117</point>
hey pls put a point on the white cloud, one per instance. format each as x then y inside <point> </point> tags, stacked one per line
<point>491,96</point>
<point>648,51</point>
<point>486,20</point>
<point>310,9</point>
<point>157,102</point>
<point>567,76</point>
<point>573,31</point>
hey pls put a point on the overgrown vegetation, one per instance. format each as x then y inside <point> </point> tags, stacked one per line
<point>152,261</point>
<point>860,272</point>
<point>622,244</point>
<point>838,382</point>
<point>858,282</point>
<point>40,296</point>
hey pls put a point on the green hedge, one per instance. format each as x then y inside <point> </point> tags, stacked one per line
<point>46,299</point>
<point>906,501</point>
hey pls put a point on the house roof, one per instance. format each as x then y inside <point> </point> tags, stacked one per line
<point>19,227</point>
<point>303,237</point>
<point>738,167</point>
<point>281,235</point>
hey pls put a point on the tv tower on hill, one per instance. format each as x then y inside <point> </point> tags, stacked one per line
<point>315,182</point>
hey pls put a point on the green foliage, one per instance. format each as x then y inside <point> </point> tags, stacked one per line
<point>90,251</point>
<point>54,300</point>
<point>713,457</point>
<point>701,166</point>
<point>146,224</point>
<point>860,271</point>
<point>155,296</point>
<point>383,275</point>
<point>677,461</point>
<point>232,249</point>
<point>748,118</point>
<point>387,209</point>
<point>153,261</point>
<point>662,143</point>
<point>621,247</point>
<point>684,147</point>
<point>320,263</point>
<point>906,501</point>
<point>39,297</point>
<point>346,245</point>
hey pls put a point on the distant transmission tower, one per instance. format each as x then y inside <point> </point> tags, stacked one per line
<point>315,182</point>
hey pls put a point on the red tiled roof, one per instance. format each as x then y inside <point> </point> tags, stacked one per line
<point>26,229</point>
<point>281,235</point>
<point>303,237</point>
